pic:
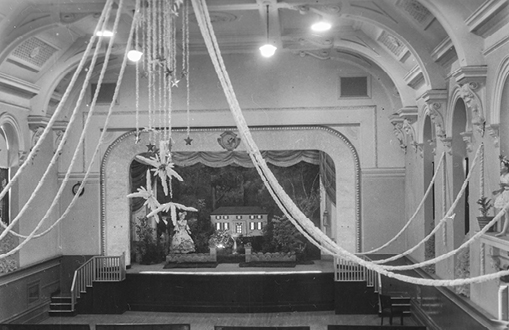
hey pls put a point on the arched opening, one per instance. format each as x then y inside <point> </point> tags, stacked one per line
<point>9,159</point>
<point>344,221</point>
<point>429,167</point>
<point>210,183</point>
<point>504,121</point>
<point>460,167</point>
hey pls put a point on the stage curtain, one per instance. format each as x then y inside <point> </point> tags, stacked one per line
<point>283,158</point>
<point>328,176</point>
<point>138,179</point>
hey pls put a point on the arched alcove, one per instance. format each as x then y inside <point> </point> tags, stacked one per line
<point>429,167</point>
<point>115,212</point>
<point>460,167</point>
<point>504,120</point>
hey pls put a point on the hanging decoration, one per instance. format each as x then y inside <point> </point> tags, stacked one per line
<point>156,31</point>
<point>147,194</point>
<point>163,166</point>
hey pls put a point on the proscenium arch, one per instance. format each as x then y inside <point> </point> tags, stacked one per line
<point>114,173</point>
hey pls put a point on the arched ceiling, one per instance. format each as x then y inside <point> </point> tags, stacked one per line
<point>413,41</point>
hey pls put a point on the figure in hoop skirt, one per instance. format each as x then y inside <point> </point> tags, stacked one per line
<point>182,241</point>
<point>503,193</point>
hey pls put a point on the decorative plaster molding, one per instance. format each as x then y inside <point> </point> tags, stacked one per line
<point>329,130</point>
<point>474,104</point>
<point>22,156</point>
<point>436,118</point>
<point>410,133</point>
<point>444,50</point>
<point>484,20</point>
<point>58,132</point>
<point>414,77</point>
<point>467,138</point>
<point>418,148</point>
<point>433,145</point>
<point>472,73</point>
<point>35,122</point>
<point>447,142</point>
<point>36,135</point>
<point>494,132</point>
<point>228,140</point>
<point>397,122</point>
<point>409,113</point>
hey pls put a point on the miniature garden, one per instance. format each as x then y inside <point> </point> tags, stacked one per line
<point>206,189</point>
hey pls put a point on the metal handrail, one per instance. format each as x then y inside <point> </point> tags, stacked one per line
<point>349,271</point>
<point>97,269</point>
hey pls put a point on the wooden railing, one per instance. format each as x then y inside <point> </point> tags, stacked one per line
<point>97,269</point>
<point>349,271</point>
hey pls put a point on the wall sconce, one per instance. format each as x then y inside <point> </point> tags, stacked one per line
<point>76,187</point>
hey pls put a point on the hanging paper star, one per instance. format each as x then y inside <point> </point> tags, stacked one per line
<point>163,165</point>
<point>183,74</point>
<point>173,210</point>
<point>151,147</point>
<point>188,141</point>
<point>149,197</point>
<point>175,83</point>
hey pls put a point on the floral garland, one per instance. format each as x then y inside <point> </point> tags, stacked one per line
<point>327,245</point>
<point>57,153</point>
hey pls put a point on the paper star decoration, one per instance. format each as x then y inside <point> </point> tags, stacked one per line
<point>162,164</point>
<point>173,210</point>
<point>188,141</point>
<point>146,193</point>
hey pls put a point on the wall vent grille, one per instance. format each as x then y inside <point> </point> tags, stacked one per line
<point>34,51</point>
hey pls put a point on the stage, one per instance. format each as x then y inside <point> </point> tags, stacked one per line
<point>325,265</point>
<point>226,288</point>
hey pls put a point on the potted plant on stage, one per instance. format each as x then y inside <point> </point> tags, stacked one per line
<point>484,207</point>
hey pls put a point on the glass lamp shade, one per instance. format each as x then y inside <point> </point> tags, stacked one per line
<point>134,55</point>
<point>321,26</point>
<point>267,50</point>
<point>105,33</point>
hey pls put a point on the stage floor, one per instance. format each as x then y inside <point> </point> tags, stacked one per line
<point>325,265</point>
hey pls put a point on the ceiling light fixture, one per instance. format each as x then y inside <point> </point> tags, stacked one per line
<point>321,26</point>
<point>268,49</point>
<point>134,55</point>
<point>104,33</point>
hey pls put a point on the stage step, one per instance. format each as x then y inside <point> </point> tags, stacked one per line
<point>61,306</point>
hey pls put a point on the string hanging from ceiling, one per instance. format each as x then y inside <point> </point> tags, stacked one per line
<point>159,29</point>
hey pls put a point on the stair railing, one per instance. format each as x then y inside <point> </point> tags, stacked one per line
<point>97,269</point>
<point>349,271</point>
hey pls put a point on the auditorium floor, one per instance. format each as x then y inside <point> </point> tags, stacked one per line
<point>207,321</point>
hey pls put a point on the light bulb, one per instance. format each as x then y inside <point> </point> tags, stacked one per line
<point>134,55</point>
<point>105,33</point>
<point>321,26</point>
<point>267,50</point>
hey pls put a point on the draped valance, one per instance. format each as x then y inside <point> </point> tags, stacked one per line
<point>282,158</point>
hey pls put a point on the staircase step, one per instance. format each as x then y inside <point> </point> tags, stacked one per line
<point>62,313</point>
<point>60,306</point>
<point>61,299</point>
